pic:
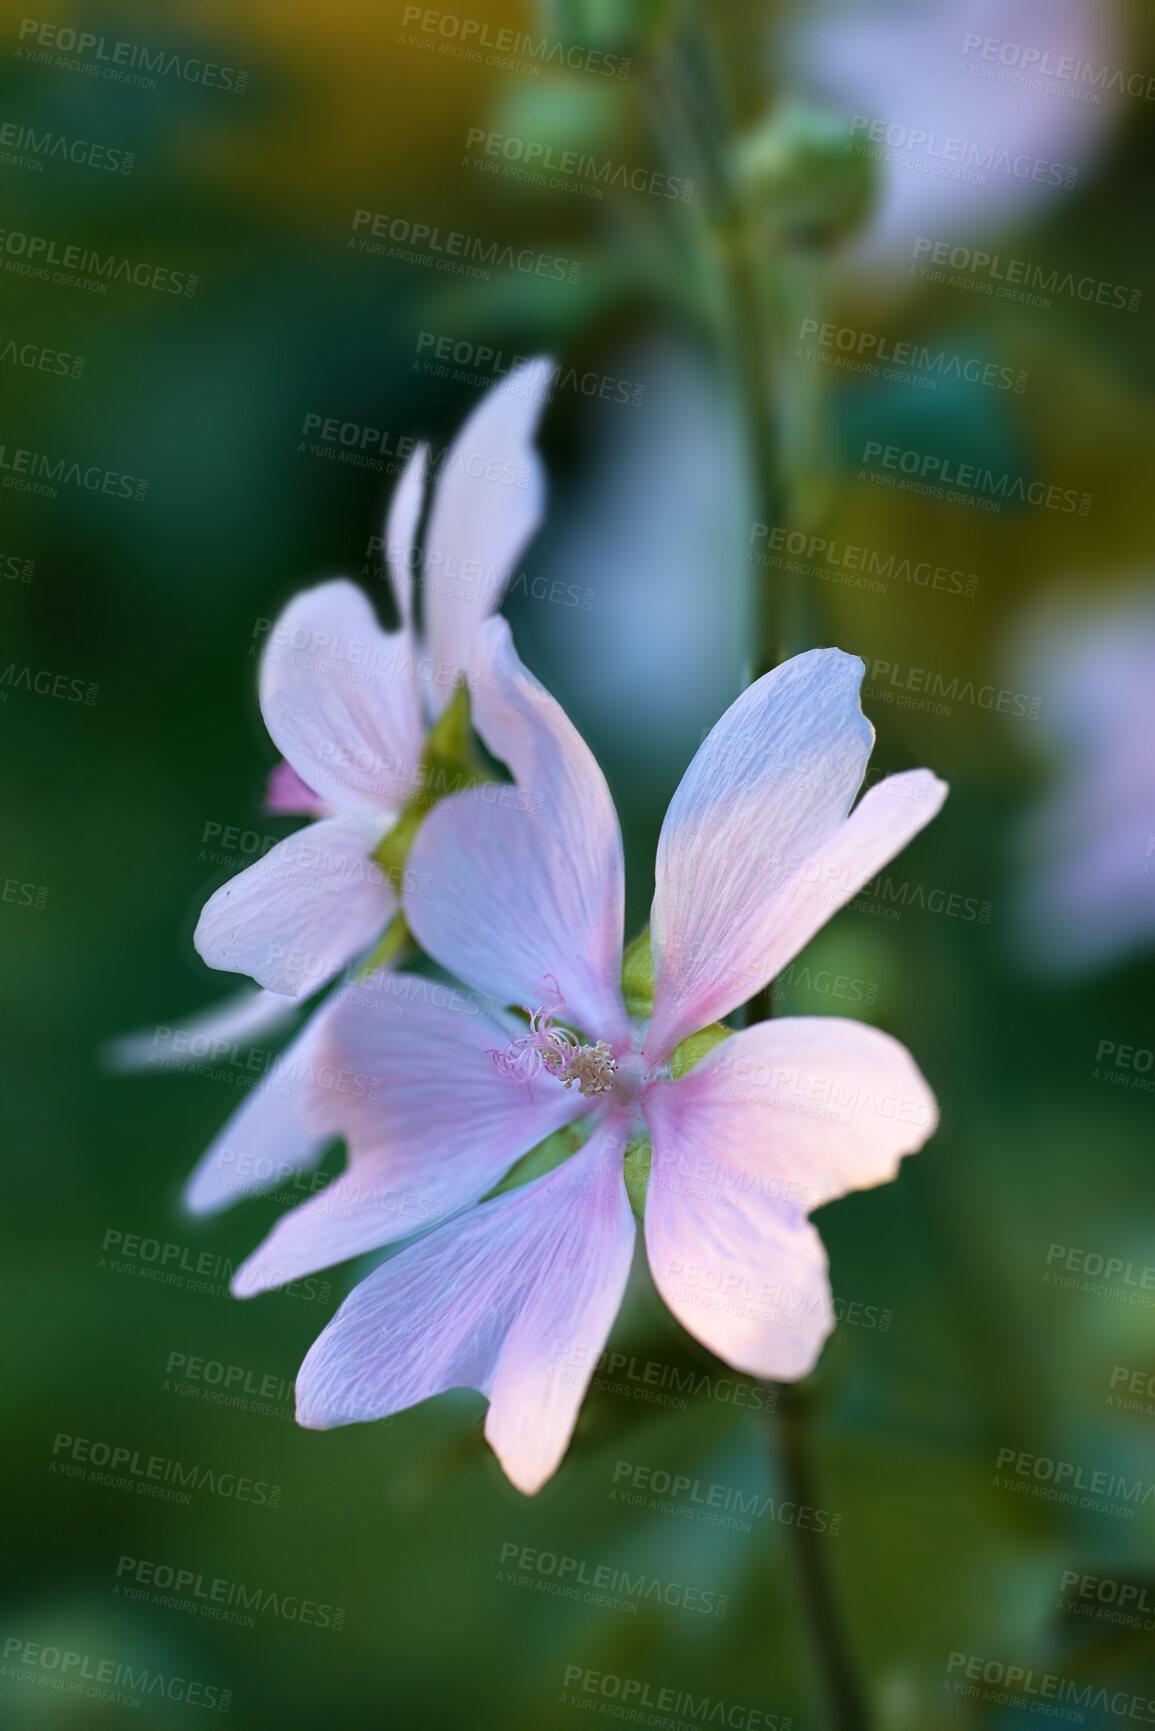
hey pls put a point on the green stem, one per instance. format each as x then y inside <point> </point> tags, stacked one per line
<point>846,1707</point>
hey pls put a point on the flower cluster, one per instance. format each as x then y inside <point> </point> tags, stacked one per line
<point>511,1153</point>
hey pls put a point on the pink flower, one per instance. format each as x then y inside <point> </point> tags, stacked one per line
<point>516,1296</point>
<point>349,706</point>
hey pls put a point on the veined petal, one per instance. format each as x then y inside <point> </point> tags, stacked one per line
<point>515,1299</point>
<point>339,698</point>
<point>798,1110</point>
<point>295,917</point>
<point>526,881</point>
<point>237,1021</point>
<point>773,1122</point>
<point>772,780</point>
<point>803,898</point>
<point>430,1122</point>
<point>489,500</point>
<point>272,1136</point>
<point>401,531</point>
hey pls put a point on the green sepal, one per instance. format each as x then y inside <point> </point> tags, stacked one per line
<point>552,1152</point>
<point>393,941</point>
<point>638,977</point>
<point>639,1155</point>
<point>449,763</point>
<point>696,1046</point>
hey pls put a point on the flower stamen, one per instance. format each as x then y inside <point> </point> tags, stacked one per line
<point>557,1050</point>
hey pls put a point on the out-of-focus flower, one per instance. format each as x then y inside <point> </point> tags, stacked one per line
<point>1089,894</point>
<point>351,706</point>
<point>959,105</point>
<point>750,1130</point>
<point>660,652</point>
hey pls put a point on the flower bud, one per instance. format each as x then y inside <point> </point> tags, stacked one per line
<point>803,174</point>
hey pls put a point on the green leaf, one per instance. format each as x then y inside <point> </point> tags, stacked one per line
<point>696,1046</point>
<point>639,1155</point>
<point>638,976</point>
<point>560,1146</point>
<point>450,762</point>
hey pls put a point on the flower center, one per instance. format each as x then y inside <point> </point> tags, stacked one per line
<point>557,1050</point>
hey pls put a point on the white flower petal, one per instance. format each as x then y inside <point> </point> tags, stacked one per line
<point>488,502</point>
<point>295,917</point>
<point>515,1298</point>
<point>526,880</point>
<point>339,698</point>
<point>774,778</point>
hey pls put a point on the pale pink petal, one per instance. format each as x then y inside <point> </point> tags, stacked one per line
<point>525,880</point>
<point>296,916</point>
<point>770,1124</point>
<point>797,903</point>
<point>431,1123</point>
<point>288,795</point>
<point>272,1137</point>
<point>401,531</point>
<point>798,1110</point>
<point>488,502</point>
<point>774,777</point>
<point>208,1036</point>
<point>515,1298</point>
<point>339,698</point>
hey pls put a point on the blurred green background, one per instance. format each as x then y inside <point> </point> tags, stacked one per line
<point>158,603</point>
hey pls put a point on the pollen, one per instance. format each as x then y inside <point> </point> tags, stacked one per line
<point>558,1051</point>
